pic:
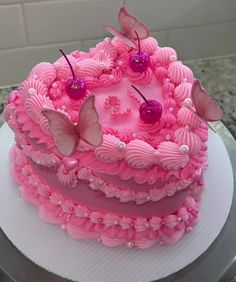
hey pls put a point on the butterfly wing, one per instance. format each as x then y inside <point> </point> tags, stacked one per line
<point>120,35</point>
<point>206,108</point>
<point>62,130</point>
<point>88,127</point>
<point>129,24</point>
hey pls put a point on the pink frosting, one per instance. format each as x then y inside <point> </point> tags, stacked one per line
<point>182,91</point>
<point>140,77</point>
<point>186,117</point>
<point>171,156</point>
<point>161,73</point>
<point>45,72</point>
<point>186,137</point>
<point>178,72</point>
<point>109,229</point>
<point>63,69</point>
<point>149,45</point>
<point>89,67</point>
<point>166,55</point>
<point>31,86</point>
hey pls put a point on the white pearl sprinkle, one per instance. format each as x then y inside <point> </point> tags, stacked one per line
<point>185,79</point>
<point>121,146</point>
<point>111,77</point>
<point>102,51</point>
<point>167,137</point>
<point>116,222</point>
<point>130,244</point>
<point>31,91</point>
<point>184,149</point>
<point>102,65</point>
<point>134,135</point>
<point>157,153</point>
<point>187,127</point>
<point>167,80</point>
<point>171,109</point>
<point>99,240</point>
<point>120,63</point>
<point>173,58</point>
<point>54,85</point>
<point>148,198</point>
<point>187,101</point>
<point>179,218</point>
<point>189,228</point>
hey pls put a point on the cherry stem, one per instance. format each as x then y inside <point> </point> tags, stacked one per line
<point>141,94</point>
<point>72,71</point>
<point>138,38</point>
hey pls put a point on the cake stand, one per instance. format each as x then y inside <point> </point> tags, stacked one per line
<point>204,255</point>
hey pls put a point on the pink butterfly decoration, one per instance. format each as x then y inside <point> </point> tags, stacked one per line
<point>66,135</point>
<point>206,109</point>
<point>129,26</point>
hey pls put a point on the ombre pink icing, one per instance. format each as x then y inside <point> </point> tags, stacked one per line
<point>142,185</point>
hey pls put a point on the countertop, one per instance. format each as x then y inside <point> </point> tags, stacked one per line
<point>217,75</point>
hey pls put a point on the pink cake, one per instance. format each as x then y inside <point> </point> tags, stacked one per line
<point>139,183</point>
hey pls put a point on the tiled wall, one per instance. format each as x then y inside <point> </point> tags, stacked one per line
<point>32,31</point>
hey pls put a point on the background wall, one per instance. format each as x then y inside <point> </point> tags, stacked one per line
<point>32,31</point>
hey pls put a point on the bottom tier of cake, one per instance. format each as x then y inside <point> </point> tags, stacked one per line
<point>110,229</point>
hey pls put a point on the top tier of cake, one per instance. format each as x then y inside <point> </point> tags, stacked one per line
<point>130,148</point>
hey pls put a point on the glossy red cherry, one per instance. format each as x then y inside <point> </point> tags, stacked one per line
<point>75,88</point>
<point>150,111</point>
<point>139,61</point>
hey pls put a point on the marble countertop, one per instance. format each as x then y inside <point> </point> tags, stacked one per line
<point>217,75</point>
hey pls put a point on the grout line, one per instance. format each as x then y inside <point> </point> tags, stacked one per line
<point>220,57</point>
<point>24,23</point>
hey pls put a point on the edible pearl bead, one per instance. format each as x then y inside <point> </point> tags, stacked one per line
<point>130,244</point>
<point>54,85</point>
<point>111,77</point>
<point>173,58</point>
<point>179,218</point>
<point>148,198</point>
<point>134,135</point>
<point>116,222</point>
<point>102,65</point>
<point>185,79</point>
<point>99,240</point>
<point>189,228</point>
<point>167,137</point>
<point>171,109</point>
<point>120,63</point>
<point>31,91</point>
<point>121,146</point>
<point>157,153</point>
<point>187,101</point>
<point>187,127</point>
<point>184,149</point>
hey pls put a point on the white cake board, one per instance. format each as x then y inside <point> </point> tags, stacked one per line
<point>87,261</point>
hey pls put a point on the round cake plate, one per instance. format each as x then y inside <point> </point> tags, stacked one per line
<point>51,248</point>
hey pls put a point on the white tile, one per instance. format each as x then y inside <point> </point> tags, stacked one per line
<point>205,41</point>
<point>163,14</point>
<point>222,10</point>
<point>17,63</point>
<point>58,21</point>
<point>161,37</point>
<point>12,33</point>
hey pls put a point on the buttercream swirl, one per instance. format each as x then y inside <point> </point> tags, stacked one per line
<point>45,72</point>
<point>139,154</point>
<point>109,151</point>
<point>186,117</point>
<point>178,72</point>
<point>161,73</point>
<point>140,77</point>
<point>182,91</point>
<point>62,67</point>
<point>171,157</point>
<point>149,45</point>
<point>166,55</point>
<point>35,104</point>
<point>189,138</point>
<point>31,85</point>
<point>105,47</point>
<point>88,67</point>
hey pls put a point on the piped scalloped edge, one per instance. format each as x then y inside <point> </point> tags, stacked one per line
<point>109,229</point>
